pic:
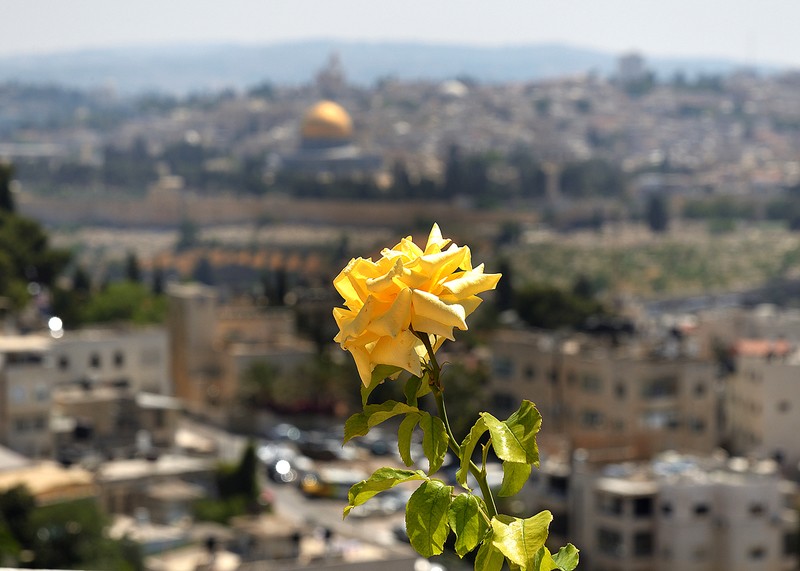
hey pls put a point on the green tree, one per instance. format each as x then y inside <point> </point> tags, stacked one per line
<point>237,488</point>
<point>657,213</point>
<point>125,301</point>
<point>132,271</point>
<point>81,281</point>
<point>6,197</point>
<point>204,272</point>
<point>64,536</point>
<point>256,384</point>
<point>26,256</point>
<point>158,281</point>
<point>504,292</point>
<point>594,177</point>
<point>71,536</point>
<point>187,235</point>
<point>549,307</point>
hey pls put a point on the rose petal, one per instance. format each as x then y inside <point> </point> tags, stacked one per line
<point>400,351</point>
<point>363,363</point>
<point>471,283</point>
<point>435,241</point>
<point>429,306</point>
<point>396,319</point>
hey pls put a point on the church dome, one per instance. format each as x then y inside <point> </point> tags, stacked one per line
<point>327,121</point>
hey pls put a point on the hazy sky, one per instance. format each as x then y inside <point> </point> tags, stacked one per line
<point>750,31</point>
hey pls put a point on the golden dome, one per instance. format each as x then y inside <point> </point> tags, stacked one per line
<point>327,120</point>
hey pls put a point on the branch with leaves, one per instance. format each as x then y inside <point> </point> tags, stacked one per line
<point>397,312</point>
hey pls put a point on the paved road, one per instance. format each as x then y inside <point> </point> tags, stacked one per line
<point>290,502</point>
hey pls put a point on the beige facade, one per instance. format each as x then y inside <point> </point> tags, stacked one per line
<point>113,421</point>
<point>213,344</point>
<point>27,377</point>
<point>128,485</point>
<point>762,402</point>
<point>602,395</point>
<point>129,357</point>
<point>675,512</point>
<point>191,324</point>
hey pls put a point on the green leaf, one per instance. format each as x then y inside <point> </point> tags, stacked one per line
<point>434,440</point>
<point>515,439</point>
<point>544,561</point>
<point>426,517</point>
<point>404,434</point>
<point>467,522</point>
<point>514,477</point>
<point>356,425</point>
<point>413,384</point>
<point>360,423</point>
<point>567,557</point>
<point>525,423</point>
<point>381,480</point>
<point>489,558</point>
<point>504,441</point>
<point>520,539</point>
<point>468,447</point>
<point>379,374</point>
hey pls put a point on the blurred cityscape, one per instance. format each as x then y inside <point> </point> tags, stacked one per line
<point>170,394</point>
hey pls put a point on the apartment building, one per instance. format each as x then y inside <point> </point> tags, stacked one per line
<point>696,513</point>
<point>603,394</point>
<point>213,343</point>
<point>762,400</point>
<point>34,369</point>
<point>136,358</point>
<point>27,378</point>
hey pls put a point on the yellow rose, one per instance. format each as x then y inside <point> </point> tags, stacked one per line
<point>407,290</point>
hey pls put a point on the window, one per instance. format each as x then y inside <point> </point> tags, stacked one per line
<point>18,394</point>
<point>150,357</point>
<point>558,485</point>
<point>643,507</point>
<point>530,373</point>
<point>94,361</point>
<point>791,544</point>
<point>503,367</point>
<point>784,406</point>
<point>592,383</point>
<point>642,544</point>
<point>63,362</point>
<point>661,387</point>
<point>700,553</point>
<point>610,505</point>
<point>757,553</point>
<point>620,391</point>
<point>119,359</point>
<point>700,389</point>
<point>702,510</point>
<point>609,541</point>
<point>24,358</point>
<point>42,393</point>
<point>504,401</point>
<point>591,418</point>
<point>660,419</point>
<point>697,425</point>
<point>757,509</point>
<point>560,525</point>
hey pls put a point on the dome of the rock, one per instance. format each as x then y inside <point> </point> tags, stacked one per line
<point>327,121</point>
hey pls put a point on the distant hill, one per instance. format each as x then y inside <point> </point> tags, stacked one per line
<point>186,68</point>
